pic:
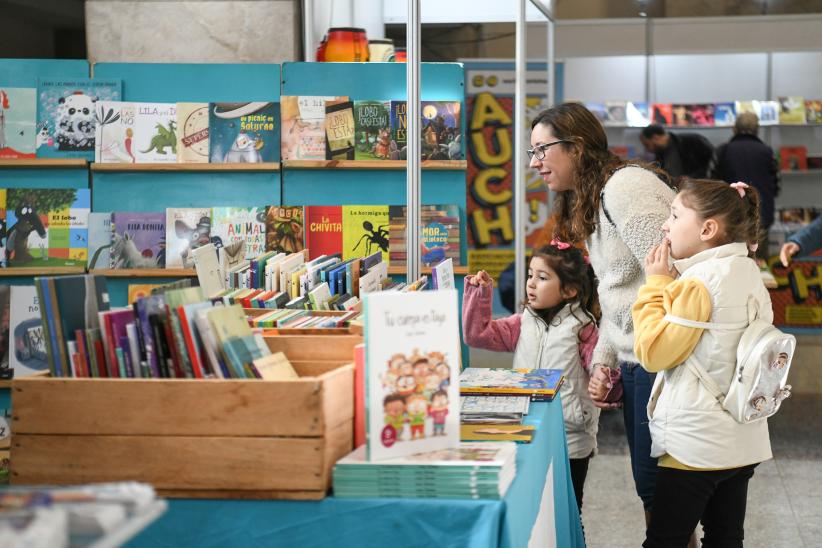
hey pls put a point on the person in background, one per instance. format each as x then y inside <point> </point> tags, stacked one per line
<point>746,158</point>
<point>617,209</point>
<point>807,240</point>
<point>555,330</point>
<point>706,457</point>
<point>679,154</point>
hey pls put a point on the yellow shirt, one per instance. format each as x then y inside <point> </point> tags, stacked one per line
<point>660,345</point>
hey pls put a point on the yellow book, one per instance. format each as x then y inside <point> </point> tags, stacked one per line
<point>294,288</point>
<point>275,367</point>
<point>138,291</point>
<point>497,432</point>
<point>228,322</point>
<point>365,231</point>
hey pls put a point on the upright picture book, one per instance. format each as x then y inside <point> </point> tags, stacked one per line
<point>187,228</point>
<point>138,240</point>
<point>243,132</point>
<point>284,229</point>
<point>412,366</point>
<point>26,338</point>
<point>136,132</point>
<point>232,224</point>
<point>441,130</point>
<point>67,115</point>
<point>99,240</point>
<point>323,230</point>
<point>46,227</point>
<point>365,231</point>
<point>192,133</point>
<point>339,130</point>
<point>439,238</point>
<point>372,125</point>
<point>18,116</point>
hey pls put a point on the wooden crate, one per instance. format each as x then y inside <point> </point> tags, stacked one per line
<point>191,438</point>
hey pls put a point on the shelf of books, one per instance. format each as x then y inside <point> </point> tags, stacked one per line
<point>144,272</point>
<point>42,163</point>
<point>456,165</point>
<point>41,271</point>
<point>120,167</point>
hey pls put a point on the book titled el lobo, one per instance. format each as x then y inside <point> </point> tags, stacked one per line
<point>540,384</point>
<point>412,363</point>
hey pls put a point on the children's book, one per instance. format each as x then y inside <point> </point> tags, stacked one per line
<point>598,110</point>
<point>443,275</point>
<point>139,291</point>
<point>67,115</point>
<point>372,126</point>
<point>284,229</point>
<point>339,130</point>
<point>679,115</point>
<point>661,113</point>
<point>303,126</point>
<point>243,132</point>
<point>497,432</point>
<point>440,236</point>
<point>27,343</point>
<point>768,113</point>
<point>398,148</point>
<point>637,114</point>
<point>136,132</point>
<point>365,231</point>
<point>793,158</point>
<point>441,130</point>
<point>232,224</point>
<point>616,113</point>
<point>208,270</point>
<point>18,117</point>
<point>541,384</point>
<point>724,114</point>
<point>192,133</point>
<point>700,114</point>
<point>792,110</point>
<point>324,230</point>
<point>186,229</point>
<point>138,240</point>
<point>412,362</point>
<point>47,227</point>
<point>99,240</point>
<point>748,106</point>
<point>813,111</point>
<point>275,367</point>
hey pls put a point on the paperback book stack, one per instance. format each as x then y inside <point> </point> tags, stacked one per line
<point>473,470</point>
<point>539,384</point>
<point>495,418</point>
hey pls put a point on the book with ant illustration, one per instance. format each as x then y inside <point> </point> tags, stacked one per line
<point>232,224</point>
<point>46,227</point>
<point>138,239</point>
<point>284,229</point>
<point>131,133</point>
<point>18,116</point>
<point>412,366</point>
<point>365,231</point>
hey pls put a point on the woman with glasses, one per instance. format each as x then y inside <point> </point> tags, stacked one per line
<point>618,209</point>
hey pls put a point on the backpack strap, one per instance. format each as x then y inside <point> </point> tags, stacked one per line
<point>670,318</point>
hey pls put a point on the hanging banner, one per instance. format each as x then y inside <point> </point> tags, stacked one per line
<point>490,90</point>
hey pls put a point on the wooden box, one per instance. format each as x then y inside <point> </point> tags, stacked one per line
<point>193,438</point>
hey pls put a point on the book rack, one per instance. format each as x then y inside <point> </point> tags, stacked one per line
<point>455,165</point>
<point>44,163</point>
<point>262,166</point>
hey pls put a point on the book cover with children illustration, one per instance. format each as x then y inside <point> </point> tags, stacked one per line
<point>66,115</point>
<point>412,365</point>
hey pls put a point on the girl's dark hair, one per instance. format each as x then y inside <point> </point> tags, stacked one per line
<point>576,210</point>
<point>717,199</point>
<point>573,272</point>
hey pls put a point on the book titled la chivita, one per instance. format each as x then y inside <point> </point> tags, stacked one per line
<point>412,365</point>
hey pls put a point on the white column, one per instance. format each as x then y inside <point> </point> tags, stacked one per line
<point>413,171</point>
<point>519,151</point>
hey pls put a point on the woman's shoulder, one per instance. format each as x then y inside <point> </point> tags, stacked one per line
<point>634,176</point>
<point>635,187</point>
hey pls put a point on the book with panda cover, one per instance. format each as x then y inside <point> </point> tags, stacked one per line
<point>66,115</point>
<point>243,133</point>
<point>131,133</point>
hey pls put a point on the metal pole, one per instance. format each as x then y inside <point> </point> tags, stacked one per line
<point>413,172</point>
<point>519,156</point>
<point>308,30</point>
<point>552,84</point>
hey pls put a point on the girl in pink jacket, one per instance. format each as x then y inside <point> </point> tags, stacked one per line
<point>556,330</point>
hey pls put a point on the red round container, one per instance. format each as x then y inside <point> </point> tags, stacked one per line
<point>344,44</point>
<point>399,55</point>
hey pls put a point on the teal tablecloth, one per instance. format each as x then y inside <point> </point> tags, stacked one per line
<point>394,523</point>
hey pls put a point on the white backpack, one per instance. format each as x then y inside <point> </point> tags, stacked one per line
<point>763,359</point>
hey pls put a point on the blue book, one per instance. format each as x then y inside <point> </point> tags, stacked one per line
<point>243,132</point>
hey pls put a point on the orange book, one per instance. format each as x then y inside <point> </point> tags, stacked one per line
<point>793,158</point>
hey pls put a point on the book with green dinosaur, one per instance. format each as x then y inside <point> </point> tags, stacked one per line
<point>136,132</point>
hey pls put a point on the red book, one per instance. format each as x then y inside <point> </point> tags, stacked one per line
<point>101,358</point>
<point>323,230</point>
<point>662,114</point>
<point>175,355</point>
<point>80,339</point>
<point>359,395</point>
<point>793,158</point>
<point>191,345</point>
<point>246,301</point>
<point>111,354</point>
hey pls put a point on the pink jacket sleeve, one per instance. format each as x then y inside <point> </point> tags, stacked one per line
<point>589,335</point>
<point>478,329</point>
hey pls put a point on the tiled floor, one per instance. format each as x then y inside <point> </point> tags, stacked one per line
<point>784,497</point>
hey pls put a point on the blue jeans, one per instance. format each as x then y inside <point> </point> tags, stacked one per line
<point>637,384</point>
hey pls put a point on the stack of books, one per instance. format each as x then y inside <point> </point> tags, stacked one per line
<point>539,384</point>
<point>495,418</point>
<point>474,470</point>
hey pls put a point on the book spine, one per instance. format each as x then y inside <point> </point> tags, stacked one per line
<point>47,319</point>
<point>65,364</point>
<point>80,340</point>
<point>190,344</point>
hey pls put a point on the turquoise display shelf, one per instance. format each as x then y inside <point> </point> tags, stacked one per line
<point>23,73</point>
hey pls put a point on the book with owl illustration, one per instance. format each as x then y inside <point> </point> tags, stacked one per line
<point>365,231</point>
<point>192,133</point>
<point>138,239</point>
<point>284,229</point>
<point>187,228</point>
<point>232,224</point>
<point>412,347</point>
<point>339,130</point>
<point>439,238</point>
<point>132,133</point>
<point>323,230</point>
<point>372,126</point>
<point>243,133</point>
<point>18,117</point>
<point>67,115</point>
<point>302,136</point>
<point>47,227</point>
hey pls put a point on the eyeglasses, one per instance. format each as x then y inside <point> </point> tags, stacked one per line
<point>539,150</point>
